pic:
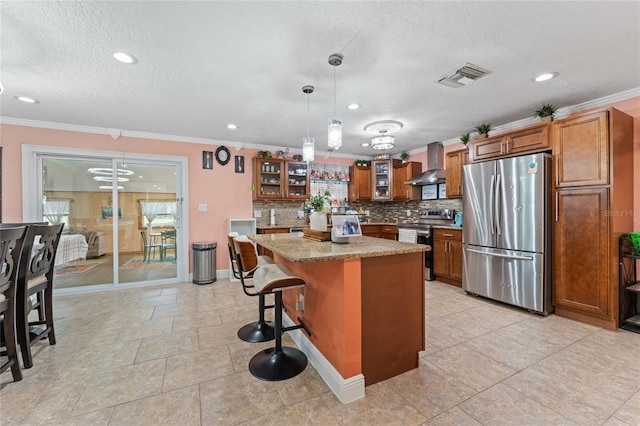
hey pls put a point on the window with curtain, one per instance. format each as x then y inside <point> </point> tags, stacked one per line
<point>160,213</point>
<point>57,211</point>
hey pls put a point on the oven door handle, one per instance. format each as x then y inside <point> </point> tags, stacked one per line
<point>505,256</point>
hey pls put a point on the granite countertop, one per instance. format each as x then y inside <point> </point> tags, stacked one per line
<point>282,226</point>
<point>296,248</point>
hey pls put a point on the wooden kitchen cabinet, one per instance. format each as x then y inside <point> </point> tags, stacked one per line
<point>360,183</point>
<point>297,180</point>
<point>382,179</point>
<point>268,176</point>
<point>581,149</point>
<point>593,170</point>
<point>527,140</point>
<point>453,165</point>
<point>401,173</point>
<point>389,232</point>
<point>263,251</point>
<point>447,255</point>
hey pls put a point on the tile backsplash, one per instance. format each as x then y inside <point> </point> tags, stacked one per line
<point>286,212</point>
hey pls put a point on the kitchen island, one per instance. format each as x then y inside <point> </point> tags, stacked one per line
<point>363,302</point>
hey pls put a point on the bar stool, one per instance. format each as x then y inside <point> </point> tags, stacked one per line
<point>261,330</point>
<point>279,362</point>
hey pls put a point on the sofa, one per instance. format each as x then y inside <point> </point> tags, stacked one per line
<point>97,243</point>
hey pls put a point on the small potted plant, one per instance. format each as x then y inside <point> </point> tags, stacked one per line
<point>546,112</point>
<point>465,139</point>
<point>483,130</point>
<point>319,205</point>
<point>403,156</point>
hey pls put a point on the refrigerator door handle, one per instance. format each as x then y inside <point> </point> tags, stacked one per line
<point>497,205</point>
<point>505,256</point>
<point>491,199</point>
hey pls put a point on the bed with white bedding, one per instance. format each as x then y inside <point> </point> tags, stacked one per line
<point>71,247</point>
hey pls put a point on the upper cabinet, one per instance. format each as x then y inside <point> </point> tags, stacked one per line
<point>279,179</point>
<point>581,150</point>
<point>297,180</point>
<point>268,175</point>
<point>454,162</point>
<point>527,140</point>
<point>382,176</point>
<point>401,173</point>
<point>360,184</point>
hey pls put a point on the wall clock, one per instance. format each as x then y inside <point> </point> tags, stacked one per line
<point>223,155</point>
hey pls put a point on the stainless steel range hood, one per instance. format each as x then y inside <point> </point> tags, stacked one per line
<point>435,166</point>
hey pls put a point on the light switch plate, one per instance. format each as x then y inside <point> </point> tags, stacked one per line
<point>300,214</point>
<point>257,213</point>
<point>202,207</point>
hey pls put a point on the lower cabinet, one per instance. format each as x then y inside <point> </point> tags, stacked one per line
<point>447,255</point>
<point>389,232</point>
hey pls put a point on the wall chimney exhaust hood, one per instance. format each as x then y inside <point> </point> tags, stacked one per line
<point>435,166</point>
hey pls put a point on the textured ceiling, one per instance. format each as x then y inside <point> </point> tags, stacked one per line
<point>205,64</point>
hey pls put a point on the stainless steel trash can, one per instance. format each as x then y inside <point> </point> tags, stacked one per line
<point>204,262</point>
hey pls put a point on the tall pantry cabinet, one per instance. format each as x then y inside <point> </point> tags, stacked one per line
<point>593,162</point>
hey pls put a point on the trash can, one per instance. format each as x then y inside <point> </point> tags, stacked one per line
<point>204,262</point>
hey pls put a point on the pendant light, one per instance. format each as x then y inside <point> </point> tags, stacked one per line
<point>335,124</point>
<point>308,147</point>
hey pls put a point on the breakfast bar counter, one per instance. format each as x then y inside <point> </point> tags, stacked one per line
<point>363,302</point>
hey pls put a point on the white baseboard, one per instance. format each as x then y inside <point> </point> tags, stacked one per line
<point>347,390</point>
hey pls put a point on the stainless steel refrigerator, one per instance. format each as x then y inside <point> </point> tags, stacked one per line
<point>506,232</point>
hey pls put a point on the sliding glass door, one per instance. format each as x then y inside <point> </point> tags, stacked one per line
<point>123,216</point>
<point>148,224</point>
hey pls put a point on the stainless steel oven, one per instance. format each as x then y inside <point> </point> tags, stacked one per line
<point>421,232</point>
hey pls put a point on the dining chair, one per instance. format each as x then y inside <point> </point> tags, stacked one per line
<point>11,242</point>
<point>168,241</point>
<point>35,278</point>
<point>149,247</point>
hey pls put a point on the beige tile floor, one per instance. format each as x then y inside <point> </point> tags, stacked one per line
<point>170,355</point>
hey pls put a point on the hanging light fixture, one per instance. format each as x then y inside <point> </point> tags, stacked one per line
<point>335,124</point>
<point>308,147</point>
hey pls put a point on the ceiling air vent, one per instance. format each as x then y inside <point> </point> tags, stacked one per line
<point>463,75</point>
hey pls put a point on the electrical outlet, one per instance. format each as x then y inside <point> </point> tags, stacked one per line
<point>257,213</point>
<point>300,303</point>
<point>408,212</point>
<point>300,214</point>
<point>367,212</point>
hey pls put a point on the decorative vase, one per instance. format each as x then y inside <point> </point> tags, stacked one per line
<point>318,221</point>
<point>546,119</point>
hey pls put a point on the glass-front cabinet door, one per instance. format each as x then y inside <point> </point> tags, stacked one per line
<point>268,177</point>
<point>382,176</point>
<point>297,174</point>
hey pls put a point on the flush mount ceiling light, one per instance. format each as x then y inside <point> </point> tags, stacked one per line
<point>383,141</point>
<point>335,124</point>
<point>232,126</point>
<point>353,106</point>
<point>27,100</point>
<point>463,75</point>
<point>545,76</point>
<point>308,145</point>
<point>125,58</point>
<point>106,171</point>
<point>110,179</point>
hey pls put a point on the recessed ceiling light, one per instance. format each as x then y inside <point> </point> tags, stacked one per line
<point>353,106</point>
<point>109,187</point>
<point>27,100</point>
<point>545,76</point>
<point>364,144</point>
<point>232,126</point>
<point>125,58</point>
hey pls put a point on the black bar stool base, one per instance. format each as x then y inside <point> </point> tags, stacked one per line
<point>272,365</point>
<point>256,332</point>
